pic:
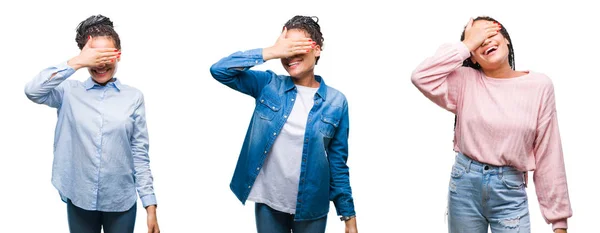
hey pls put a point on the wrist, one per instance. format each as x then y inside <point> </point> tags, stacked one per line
<point>268,54</point>
<point>151,209</point>
<point>74,63</point>
<point>470,45</point>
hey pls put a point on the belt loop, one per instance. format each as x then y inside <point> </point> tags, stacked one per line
<point>469,165</point>
<point>500,172</point>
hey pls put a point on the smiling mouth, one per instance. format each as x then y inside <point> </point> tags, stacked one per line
<point>293,64</point>
<point>490,50</point>
<point>101,72</point>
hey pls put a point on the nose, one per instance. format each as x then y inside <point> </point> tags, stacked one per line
<point>101,65</point>
<point>486,42</point>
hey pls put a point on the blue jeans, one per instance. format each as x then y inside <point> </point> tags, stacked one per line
<point>269,220</point>
<point>483,196</point>
<point>85,221</point>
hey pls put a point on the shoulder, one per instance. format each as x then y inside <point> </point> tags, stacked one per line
<point>542,80</point>
<point>336,97</point>
<point>131,92</point>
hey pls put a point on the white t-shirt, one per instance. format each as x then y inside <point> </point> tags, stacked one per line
<point>277,183</point>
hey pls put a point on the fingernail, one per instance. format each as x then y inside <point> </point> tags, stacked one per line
<point>111,60</point>
<point>118,56</point>
<point>119,53</point>
<point>314,42</point>
<point>309,40</point>
<point>307,50</point>
<point>116,50</point>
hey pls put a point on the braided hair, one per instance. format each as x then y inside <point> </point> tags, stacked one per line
<point>511,52</point>
<point>308,24</point>
<point>96,25</point>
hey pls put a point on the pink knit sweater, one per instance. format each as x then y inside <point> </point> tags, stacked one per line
<point>502,122</point>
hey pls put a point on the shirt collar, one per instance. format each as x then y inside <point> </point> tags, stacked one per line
<point>322,91</point>
<point>89,84</point>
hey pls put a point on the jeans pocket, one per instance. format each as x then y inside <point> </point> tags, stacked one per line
<point>457,172</point>
<point>513,180</point>
<point>328,126</point>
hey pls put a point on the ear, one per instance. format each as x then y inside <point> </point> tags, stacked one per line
<point>507,42</point>
<point>317,50</point>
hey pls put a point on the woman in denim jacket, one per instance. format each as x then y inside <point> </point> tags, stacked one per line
<point>293,160</point>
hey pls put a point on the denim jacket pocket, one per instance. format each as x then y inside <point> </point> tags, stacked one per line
<point>514,180</point>
<point>328,126</point>
<point>266,108</point>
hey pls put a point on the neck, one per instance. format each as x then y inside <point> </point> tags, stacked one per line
<point>307,80</point>
<point>104,84</point>
<point>501,72</point>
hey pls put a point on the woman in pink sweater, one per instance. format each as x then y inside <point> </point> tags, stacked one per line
<point>506,125</point>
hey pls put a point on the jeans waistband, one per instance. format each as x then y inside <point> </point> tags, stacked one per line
<point>472,165</point>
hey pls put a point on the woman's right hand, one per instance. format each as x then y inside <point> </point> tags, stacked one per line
<point>94,57</point>
<point>476,34</point>
<point>288,47</point>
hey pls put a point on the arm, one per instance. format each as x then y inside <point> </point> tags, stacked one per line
<point>46,87</point>
<point>439,77</point>
<point>141,165</point>
<point>337,153</point>
<point>550,176</point>
<point>234,71</point>
<point>141,160</point>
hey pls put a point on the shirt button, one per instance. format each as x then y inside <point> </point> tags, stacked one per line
<point>274,134</point>
<point>303,160</point>
<point>249,186</point>
<point>256,61</point>
<point>258,168</point>
<point>273,108</point>
<point>265,152</point>
<point>284,116</point>
<point>292,100</point>
<point>262,101</point>
<point>486,168</point>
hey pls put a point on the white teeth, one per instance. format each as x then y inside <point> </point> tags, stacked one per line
<point>490,49</point>
<point>293,63</point>
<point>101,71</point>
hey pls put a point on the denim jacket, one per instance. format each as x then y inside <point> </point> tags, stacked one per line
<point>324,174</point>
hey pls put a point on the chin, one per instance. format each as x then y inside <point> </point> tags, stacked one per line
<point>101,79</point>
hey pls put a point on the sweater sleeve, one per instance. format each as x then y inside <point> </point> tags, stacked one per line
<point>441,77</point>
<point>550,176</point>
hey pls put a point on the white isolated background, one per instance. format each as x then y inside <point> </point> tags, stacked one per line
<point>400,143</point>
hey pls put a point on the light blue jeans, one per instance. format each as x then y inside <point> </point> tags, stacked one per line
<point>483,196</point>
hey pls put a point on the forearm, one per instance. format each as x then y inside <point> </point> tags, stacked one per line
<point>44,88</point>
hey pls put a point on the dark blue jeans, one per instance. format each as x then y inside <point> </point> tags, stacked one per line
<point>85,221</point>
<point>269,220</point>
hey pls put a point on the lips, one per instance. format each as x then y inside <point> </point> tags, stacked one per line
<point>294,63</point>
<point>101,72</point>
<point>490,50</point>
